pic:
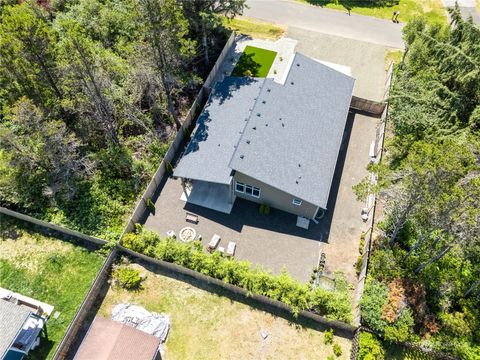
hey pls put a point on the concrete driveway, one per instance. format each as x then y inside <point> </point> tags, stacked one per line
<point>314,18</point>
<point>366,60</point>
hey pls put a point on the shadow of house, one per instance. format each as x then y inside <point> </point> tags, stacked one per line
<point>246,213</point>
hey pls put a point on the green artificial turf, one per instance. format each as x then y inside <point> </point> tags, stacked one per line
<point>254,62</point>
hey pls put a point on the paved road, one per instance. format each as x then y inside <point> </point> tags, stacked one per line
<point>309,17</point>
<point>467,8</point>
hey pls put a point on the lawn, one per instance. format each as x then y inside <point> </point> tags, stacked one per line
<point>255,28</point>
<point>210,326</point>
<point>49,270</point>
<point>254,62</point>
<point>409,9</point>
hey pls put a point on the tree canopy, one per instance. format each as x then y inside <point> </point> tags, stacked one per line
<point>426,259</point>
<point>91,93</point>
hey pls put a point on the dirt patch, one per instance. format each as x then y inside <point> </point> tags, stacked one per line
<point>209,326</point>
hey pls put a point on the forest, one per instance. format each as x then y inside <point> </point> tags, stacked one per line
<point>423,284</point>
<point>91,94</point>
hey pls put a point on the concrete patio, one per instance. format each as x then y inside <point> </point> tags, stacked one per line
<point>274,241</point>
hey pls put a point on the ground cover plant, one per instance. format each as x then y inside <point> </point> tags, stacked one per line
<point>254,62</point>
<point>409,9</point>
<point>331,304</point>
<point>207,325</point>
<point>48,269</point>
<point>91,95</point>
<point>423,284</point>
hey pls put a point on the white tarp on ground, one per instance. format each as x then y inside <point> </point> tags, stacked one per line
<point>152,323</point>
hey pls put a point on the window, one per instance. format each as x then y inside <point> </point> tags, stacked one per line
<point>247,189</point>
<point>297,202</point>
<point>239,187</point>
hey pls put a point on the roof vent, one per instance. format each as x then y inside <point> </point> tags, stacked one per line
<point>254,128</point>
<point>248,141</point>
<point>242,156</point>
<point>299,165</point>
<point>283,125</point>
<point>298,64</point>
<point>266,124</point>
<point>292,83</point>
<point>218,144</point>
<point>264,102</point>
<point>296,181</point>
<point>258,114</point>
<point>268,90</point>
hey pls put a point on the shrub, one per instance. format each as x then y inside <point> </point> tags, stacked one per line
<point>328,338</point>
<point>370,348</point>
<point>264,209</point>
<point>358,264</point>
<point>371,305</point>
<point>248,73</point>
<point>127,277</point>
<point>150,205</point>
<point>361,246</point>
<point>337,350</point>
<point>331,304</point>
<point>169,167</point>
<point>330,357</point>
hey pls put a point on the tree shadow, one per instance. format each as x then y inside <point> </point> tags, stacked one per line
<point>350,4</point>
<point>246,66</point>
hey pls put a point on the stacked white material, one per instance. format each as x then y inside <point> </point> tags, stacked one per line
<point>136,316</point>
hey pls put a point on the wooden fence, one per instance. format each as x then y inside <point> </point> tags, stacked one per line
<point>178,142</point>
<point>371,204</point>
<point>69,340</point>
<point>278,307</point>
<point>372,108</point>
<point>57,228</point>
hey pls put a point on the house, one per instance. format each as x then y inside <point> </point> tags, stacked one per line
<point>112,340</point>
<point>22,319</point>
<point>269,142</point>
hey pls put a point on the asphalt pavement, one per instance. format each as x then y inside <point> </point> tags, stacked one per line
<point>333,22</point>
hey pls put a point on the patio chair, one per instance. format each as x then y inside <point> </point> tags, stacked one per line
<point>193,218</point>
<point>231,249</point>
<point>171,234</point>
<point>212,245</point>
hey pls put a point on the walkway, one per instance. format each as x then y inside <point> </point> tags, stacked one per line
<point>309,17</point>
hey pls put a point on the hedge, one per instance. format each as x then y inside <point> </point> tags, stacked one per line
<point>332,304</point>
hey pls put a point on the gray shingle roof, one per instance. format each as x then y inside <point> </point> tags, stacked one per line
<point>287,136</point>
<point>12,318</point>
<point>293,137</point>
<point>218,130</point>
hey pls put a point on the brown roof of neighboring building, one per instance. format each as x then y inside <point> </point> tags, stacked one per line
<point>111,340</point>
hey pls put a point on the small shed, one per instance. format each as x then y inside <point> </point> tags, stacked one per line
<point>111,340</point>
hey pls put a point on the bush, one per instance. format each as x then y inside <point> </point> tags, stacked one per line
<point>370,348</point>
<point>328,339</point>
<point>264,209</point>
<point>361,246</point>
<point>337,350</point>
<point>330,357</point>
<point>150,205</point>
<point>127,277</point>
<point>331,304</point>
<point>358,264</point>
<point>372,305</point>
